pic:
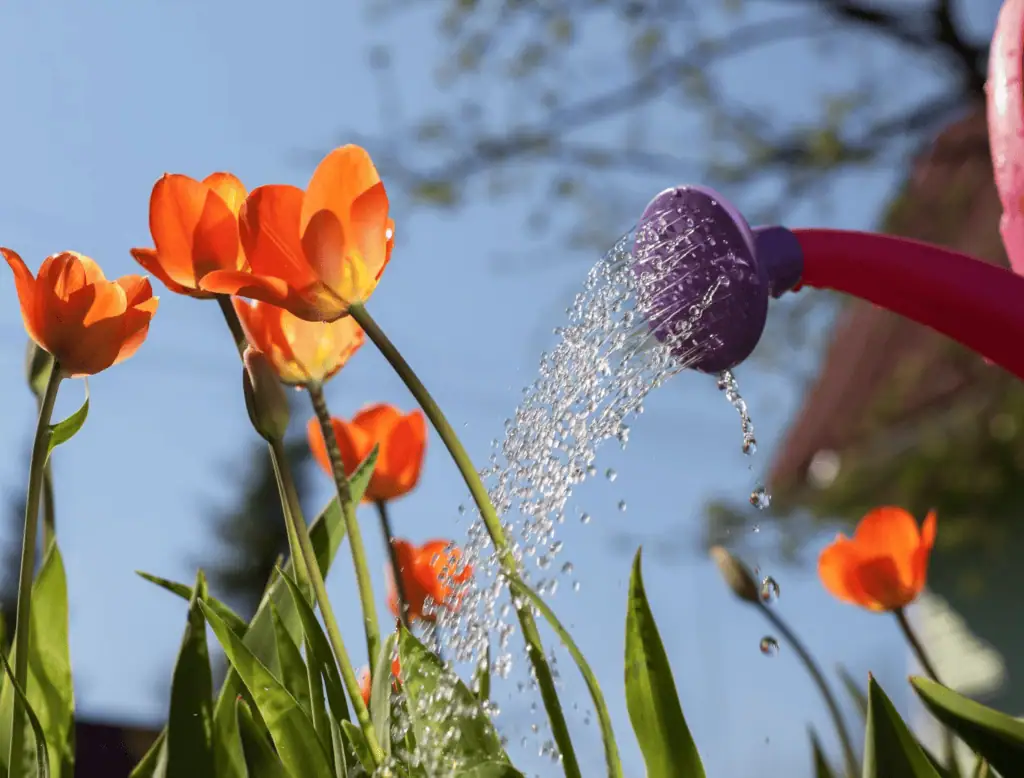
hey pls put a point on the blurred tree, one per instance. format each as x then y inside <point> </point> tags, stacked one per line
<point>775,102</point>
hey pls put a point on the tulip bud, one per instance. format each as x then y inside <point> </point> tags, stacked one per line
<point>265,399</point>
<point>737,576</point>
<point>38,365</point>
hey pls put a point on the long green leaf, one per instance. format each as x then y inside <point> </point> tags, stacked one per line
<point>293,668</point>
<point>995,736</point>
<point>186,592</point>
<point>435,694</point>
<point>260,759</point>
<point>890,750</point>
<point>380,694</point>
<point>853,689</point>
<point>50,689</point>
<point>63,431</point>
<point>42,756</point>
<point>154,763</point>
<point>357,742</point>
<point>189,725</point>
<point>291,729</point>
<point>322,656</point>
<point>821,766</point>
<point>651,698</point>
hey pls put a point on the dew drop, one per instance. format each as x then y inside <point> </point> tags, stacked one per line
<point>760,498</point>
<point>610,474</point>
<point>769,646</point>
<point>622,506</point>
<point>567,568</point>
<point>585,518</point>
<point>769,589</point>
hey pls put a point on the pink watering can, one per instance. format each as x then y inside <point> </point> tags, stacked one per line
<point>689,239</point>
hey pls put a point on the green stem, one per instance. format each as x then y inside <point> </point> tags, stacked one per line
<point>49,510</point>
<point>348,675</point>
<point>231,317</point>
<point>290,506</point>
<point>534,648</point>
<point>849,755</point>
<point>355,537</point>
<point>949,747</point>
<point>23,619</point>
<point>396,569</point>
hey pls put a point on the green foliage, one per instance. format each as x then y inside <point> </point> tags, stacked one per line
<point>42,762</point>
<point>665,739</point>
<point>889,747</point>
<point>63,431</point>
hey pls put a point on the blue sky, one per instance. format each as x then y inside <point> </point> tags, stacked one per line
<point>100,102</point>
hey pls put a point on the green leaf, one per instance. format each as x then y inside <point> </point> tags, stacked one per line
<point>320,652</point>
<point>317,703</point>
<point>260,759</point>
<point>423,675</point>
<point>380,694</point>
<point>50,689</point>
<point>154,763</point>
<point>358,743</point>
<point>293,669</point>
<point>492,770</point>
<point>289,726</point>
<point>228,616</point>
<point>42,755</point>
<point>188,745</point>
<point>482,677</point>
<point>853,689</point>
<point>665,740</point>
<point>993,735</point>
<point>63,431</point>
<point>340,751</point>
<point>889,748</point>
<point>821,767</point>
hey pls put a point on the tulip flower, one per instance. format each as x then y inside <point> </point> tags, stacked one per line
<point>301,352</point>
<point>314,252</point>
<point>194,225</point>
<point>885,565</point>
<point>402,441</point>
<point>72,311</point>
<point>433,570</point>
<point>365,680</point>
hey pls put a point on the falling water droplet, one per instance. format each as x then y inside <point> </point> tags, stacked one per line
<point>462,510</point>
<point>769,589</point>
<point>769,646</point>
<point>760,498</point>
<point>567,568</point>
<point>585,518</point>
<point>622,506</point>
<point>591,471</point>
<point>610,474</point>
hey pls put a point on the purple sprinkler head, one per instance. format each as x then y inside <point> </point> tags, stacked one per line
<point>705,275</point>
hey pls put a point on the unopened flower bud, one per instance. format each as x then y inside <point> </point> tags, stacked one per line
<point>736,575</point>
<point>38,365</point>
<point>264,396</point>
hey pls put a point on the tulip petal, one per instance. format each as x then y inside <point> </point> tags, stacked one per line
<point>135,322</point>
<point>25,285</point>
<point>151,262</point>
<point>835,566</point>
<point>891,532</point>
<point>370,228</point>
<point>269,230</point>
<point>879,579</point>
<point>341,177</point>
<point>227,186</point>
<point>407,442</point>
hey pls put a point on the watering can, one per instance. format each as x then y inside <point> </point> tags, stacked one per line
<point>690,238</point>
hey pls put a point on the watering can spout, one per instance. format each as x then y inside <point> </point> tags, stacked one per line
<point>705,278</point>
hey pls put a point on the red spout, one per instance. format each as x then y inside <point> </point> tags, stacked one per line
<point>973,302</point>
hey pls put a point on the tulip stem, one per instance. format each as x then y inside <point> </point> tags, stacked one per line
<point>355,537</point>
<point>308,555</point>
<point>535,650</point>
<point>292,510</point>
<point>849,755</point>
<point>396,569</point>
<point>231,317</point>
<point>23,618</point>
<point>949,747</point>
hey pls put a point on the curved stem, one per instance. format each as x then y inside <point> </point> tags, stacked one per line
<point>231,317</point>
<point>917,647</point>
<point>849,755</point>
<point>49,509</point>
<point>355,537</point>
<point>23,619</point>
<point>348,675</point>
<point>534,648</point>
<point>396,570</point>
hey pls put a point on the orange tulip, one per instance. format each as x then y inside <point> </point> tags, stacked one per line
<point>302,352</point>
<point>194,225</point>
<point>433,570</point>
<point>365,680</point>
<point>314,252</point>
<point>402,441</point>
<point>885,565</point>
<point>71,310</point>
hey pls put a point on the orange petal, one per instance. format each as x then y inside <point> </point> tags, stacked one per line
<point>228,188</point>
<point>354,445</point>
<point>879,579</point>
<point>239,283</point>
<point>377,421</point>
<point>416,594</point>
<point>341,177</point>
<point>369,229</point>
<point>25,285</point>
<point>891,532</point>
<point>135,322</point>
<point>149,260</point>
<point>407,442</point>
<point>921,556</point>
<point>269,229</point>
<point>836,566</point>
<point>194,230</point>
